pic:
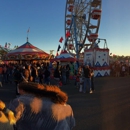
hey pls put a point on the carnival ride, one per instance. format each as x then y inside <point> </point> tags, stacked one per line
<point>82,22</point>
<point>27,51</point>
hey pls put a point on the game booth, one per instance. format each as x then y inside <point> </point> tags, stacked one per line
<point>63,59</point>
<point>98,59</point>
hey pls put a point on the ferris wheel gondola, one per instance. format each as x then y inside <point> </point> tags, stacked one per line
<point>82,21</point>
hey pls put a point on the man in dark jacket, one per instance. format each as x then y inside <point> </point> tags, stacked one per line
<point>46,76</point>
<point>17,78</point>
<point>87,79</point>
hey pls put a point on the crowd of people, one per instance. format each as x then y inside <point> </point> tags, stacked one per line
<point>16,73</point>
<point>83,76</point>
<point>44,73</point>
<point>39,99</point>
<point>85,79</point>
<point>39,104</point>
<point>119,69</point>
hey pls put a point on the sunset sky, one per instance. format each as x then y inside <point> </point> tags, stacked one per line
<point>46,21</point>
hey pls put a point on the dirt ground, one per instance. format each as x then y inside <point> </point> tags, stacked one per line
<point>108,108</point>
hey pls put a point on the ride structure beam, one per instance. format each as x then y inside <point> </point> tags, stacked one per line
<point>77,45</point>
<point>73,22</point>
<point>65,45</point>
<point>105,42</point>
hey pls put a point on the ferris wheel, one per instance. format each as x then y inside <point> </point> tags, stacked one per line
<point>82,21</point>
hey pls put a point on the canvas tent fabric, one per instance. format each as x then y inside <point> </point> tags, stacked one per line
<point>64,57</point>
<point>27,48</point>
<point>26,51</point>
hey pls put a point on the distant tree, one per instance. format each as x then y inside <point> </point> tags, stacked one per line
<point>15,46</point>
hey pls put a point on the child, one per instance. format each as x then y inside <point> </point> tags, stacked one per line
<point>92,81</point>
<point>77,81</point>
<point>80,83</point>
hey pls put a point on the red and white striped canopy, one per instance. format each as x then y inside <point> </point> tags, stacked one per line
<point>64,56</point>
<point>27,48</point>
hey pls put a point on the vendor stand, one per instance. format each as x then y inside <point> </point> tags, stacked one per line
<point>63,59</point>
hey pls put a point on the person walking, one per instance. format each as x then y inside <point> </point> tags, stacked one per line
<point>67,73</point>
<point>25,75</point>
<point>17,78</point>
<point>87,79</point>
<point>5,67</point>
<point>63,74</point>
<point>92,81</point>
<point>47,76</point>
<point>57,76</point>
<point>34,73</point>
<point>42,107</point>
